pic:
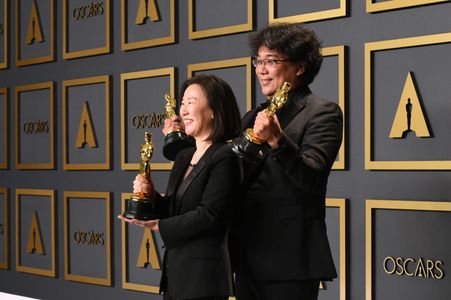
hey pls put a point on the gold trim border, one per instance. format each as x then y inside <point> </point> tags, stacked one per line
<point>395,4</point>
<point>4,265</point>
<point>371,205</point>
<point>224,64</point>
<point>80,278</point>
<point>4,64</point>
<point>36,60</point>
<point>370,48</point>
<point>50,85</point>
<point>154,289</point>
<point>125,46</point>
<point>25,269</point>
<point>87,52</point>
<point>340,203</point>
<point>170,71</point>
<point>105,79</point>
<point>340,52</point>
<point>198,34</point>
<point>309,17</point>
<point>5,158</point>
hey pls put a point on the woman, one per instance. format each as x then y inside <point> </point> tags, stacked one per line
<point>197,206</point>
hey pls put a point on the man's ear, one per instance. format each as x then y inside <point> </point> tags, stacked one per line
<point>300,71</point>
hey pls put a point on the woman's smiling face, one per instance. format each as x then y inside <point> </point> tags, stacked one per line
<point>195,112</point>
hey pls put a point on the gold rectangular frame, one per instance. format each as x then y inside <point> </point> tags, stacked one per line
<point>370,48</point>
<point>228,63</point>
<point>36,60</point>
<point>340,52</point>
<point>80,278</point>
<point>86,81</point>
<point>309,17</point>
<point>170,71</point>
<point>4,265</point>
<point>340,203</point>
<point>372,6</point>
<point>30,87</point>
<point>146,43</point>
<point>125,284</point>
<point>87,52</point>
<point>198,34</point>
<point>5,117</point>
<point>393,205</point>
<point>25,269</point>
<point>4,64</point>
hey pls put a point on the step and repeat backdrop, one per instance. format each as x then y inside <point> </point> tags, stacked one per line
<point>81,81</point>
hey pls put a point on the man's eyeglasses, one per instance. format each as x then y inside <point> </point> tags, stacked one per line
<point>269,63</point>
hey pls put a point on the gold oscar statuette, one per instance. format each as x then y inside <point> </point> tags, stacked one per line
<point>141,205</point>
<point>250,145</point>
<point>177,139</point>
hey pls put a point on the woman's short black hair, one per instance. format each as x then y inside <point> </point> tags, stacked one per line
<point>222,101</point>
<point>296,42</point>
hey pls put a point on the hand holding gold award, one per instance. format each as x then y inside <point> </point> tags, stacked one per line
<point>177,139</point>
<point>249,146</point>
<point>141,206</point>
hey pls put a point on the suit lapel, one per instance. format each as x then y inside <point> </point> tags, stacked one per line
<point>197,169</point>
<point>249,118</point>
<point>176,176</point>
<point>296,103</point>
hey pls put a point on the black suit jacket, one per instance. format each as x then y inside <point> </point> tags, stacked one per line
<point>280,231</point>
<point>199,210</point>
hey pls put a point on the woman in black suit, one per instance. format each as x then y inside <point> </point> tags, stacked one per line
<point>197,206</point>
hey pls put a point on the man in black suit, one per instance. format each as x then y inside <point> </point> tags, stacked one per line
<point>281,249</point>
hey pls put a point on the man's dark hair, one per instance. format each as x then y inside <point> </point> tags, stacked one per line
<point>296,42</point>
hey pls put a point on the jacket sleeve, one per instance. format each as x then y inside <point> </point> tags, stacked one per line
<point>213,212</point>
<point>307,163</point>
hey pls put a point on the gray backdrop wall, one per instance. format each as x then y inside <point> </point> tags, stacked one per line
<point>389,198</point>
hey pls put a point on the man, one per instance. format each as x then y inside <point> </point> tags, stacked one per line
<point>279,239</point>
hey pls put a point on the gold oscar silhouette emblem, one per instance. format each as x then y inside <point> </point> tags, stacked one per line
<point>177,139</point>
<point>147,9</point>
<point>250,145</point>
<point>34,31</point>
<point>141,205</point>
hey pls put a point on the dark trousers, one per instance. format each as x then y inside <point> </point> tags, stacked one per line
<point>168,297</point>
<point>247,288</point>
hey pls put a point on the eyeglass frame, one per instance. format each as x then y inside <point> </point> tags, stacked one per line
<point>264,62</point>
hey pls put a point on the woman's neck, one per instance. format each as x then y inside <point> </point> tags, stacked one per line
<point>201,147</point>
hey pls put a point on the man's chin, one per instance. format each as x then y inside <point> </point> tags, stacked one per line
<point>267,92</point>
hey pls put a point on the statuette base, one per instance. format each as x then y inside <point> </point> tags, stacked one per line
<point>174,142</point>
<point>141,209</point>
<point>247,150</point>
